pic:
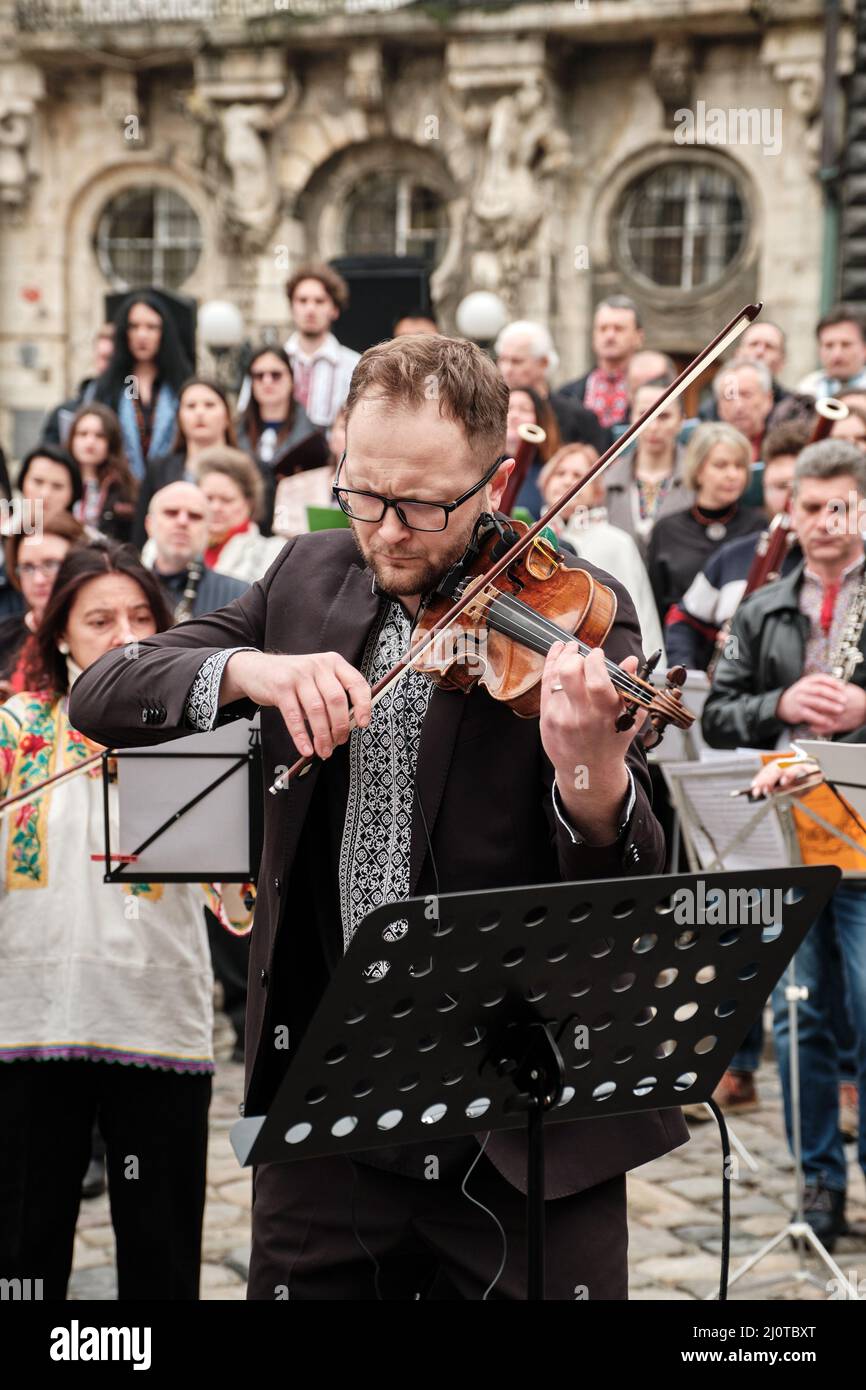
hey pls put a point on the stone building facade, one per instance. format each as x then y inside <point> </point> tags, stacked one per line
<point>551,152</point>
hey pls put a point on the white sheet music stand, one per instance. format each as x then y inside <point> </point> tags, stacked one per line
<point>721,831</point>
<point>188,811</point>
<point>683,745</point>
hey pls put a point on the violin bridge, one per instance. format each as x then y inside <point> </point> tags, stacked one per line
<point>476,609</point>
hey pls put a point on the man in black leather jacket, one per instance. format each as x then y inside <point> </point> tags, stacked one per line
<point>774,682</point>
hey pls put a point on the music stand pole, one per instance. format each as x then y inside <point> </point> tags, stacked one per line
<point>543,1075</point>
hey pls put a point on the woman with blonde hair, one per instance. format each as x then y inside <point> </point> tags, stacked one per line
<point>716,471</point>
<point>584,526</point>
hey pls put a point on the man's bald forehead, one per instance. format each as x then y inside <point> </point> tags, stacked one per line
<point>176,494</point>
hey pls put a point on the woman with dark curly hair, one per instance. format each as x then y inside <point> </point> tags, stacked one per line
<point>106,990</point>
<point>143,379</point>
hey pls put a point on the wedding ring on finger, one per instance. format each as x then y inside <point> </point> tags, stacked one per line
<point>556,686</point>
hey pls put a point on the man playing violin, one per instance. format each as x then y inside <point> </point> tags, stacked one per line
<point>434,790</point>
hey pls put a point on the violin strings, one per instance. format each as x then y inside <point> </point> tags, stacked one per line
<point>530,624</point>
<point>560,634</point>
<point>619,677</point>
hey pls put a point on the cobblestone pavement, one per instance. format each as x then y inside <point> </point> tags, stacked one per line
<point>674,1209</point>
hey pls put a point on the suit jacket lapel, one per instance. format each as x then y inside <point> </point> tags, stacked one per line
<point>345,630</point>
<point>350,617</point>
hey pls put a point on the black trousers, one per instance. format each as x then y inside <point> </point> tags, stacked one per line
<point>333,1228</point>
<point>155,1129</point>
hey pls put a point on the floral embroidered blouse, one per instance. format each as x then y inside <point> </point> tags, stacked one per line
<point>89,970</point>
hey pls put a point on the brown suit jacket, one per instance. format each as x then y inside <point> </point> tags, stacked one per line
<point>483,781</point>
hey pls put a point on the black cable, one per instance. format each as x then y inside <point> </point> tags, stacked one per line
<point>726,1201</point>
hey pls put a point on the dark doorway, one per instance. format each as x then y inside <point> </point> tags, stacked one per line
<point>382,288</point>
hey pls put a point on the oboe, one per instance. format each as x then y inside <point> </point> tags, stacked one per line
<point>186,604</point>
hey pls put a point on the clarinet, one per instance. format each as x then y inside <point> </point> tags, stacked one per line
<point>847,656</point>
<point>184,608</point>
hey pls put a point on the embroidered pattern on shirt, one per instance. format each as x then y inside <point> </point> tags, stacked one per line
<point>821,645</point>
<point>202,702</point>
<point>377,833</point>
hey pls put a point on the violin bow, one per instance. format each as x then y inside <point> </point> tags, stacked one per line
<point>705,357</point>
<point>38,788</point>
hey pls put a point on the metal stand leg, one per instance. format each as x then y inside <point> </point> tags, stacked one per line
<point>798,1229</point>
<point>535,1204</point>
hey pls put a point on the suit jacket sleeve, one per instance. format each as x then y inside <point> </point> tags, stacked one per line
<point>640,849</point>
<point>108,698</point>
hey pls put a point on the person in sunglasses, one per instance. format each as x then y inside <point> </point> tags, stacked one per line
<point>432,791</point>
<point>273,423</point>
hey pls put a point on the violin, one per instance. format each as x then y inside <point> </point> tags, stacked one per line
<point>524,555</point>
<point>501,638</point>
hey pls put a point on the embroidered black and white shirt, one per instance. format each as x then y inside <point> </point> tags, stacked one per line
<point>377,832</point>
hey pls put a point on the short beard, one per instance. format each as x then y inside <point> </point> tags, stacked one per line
<point>430,575</point>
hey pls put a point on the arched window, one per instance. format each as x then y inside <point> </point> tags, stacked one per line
<point>396,215</point>
<point>681,226</point>
<point>148,236</point>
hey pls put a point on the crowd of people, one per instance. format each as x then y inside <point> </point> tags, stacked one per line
<point>154,498</point>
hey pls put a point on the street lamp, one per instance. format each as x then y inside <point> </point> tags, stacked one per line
<point>481,316</point>
<point>221,327</point>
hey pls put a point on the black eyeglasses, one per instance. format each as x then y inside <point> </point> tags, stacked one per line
<point>418,516</point>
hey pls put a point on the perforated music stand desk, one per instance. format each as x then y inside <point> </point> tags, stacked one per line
<point>499,1010</point>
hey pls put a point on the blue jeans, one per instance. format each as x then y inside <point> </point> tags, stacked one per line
<point>823,1151</point>
<point>748,1058</point>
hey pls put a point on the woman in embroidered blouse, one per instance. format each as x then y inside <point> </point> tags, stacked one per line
<point>105,989</point>
<point>647,483</point>
<point>142,381</point>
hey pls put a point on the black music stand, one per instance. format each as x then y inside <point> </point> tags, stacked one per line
<point>558,1002</point>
